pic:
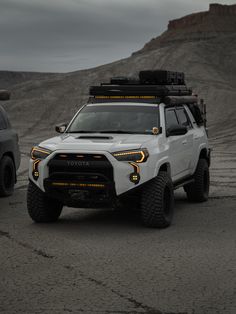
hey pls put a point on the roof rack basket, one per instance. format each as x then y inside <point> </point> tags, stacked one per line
<point>150,83</point>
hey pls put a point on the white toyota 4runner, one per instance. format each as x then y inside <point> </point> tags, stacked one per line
<point>132,144</point>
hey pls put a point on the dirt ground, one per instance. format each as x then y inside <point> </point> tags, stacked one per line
<point>101,261</point>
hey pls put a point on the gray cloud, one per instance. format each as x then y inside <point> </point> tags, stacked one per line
<point>66,35</point>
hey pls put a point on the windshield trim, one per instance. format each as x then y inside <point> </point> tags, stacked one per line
<point>138,104</point>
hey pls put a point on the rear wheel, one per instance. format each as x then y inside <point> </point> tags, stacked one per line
<point>42,208</point>
<point>7,176</point>
<point>198,191</point>
<point>157,203</point>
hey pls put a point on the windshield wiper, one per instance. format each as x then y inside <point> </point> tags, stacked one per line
<point>82,131</point>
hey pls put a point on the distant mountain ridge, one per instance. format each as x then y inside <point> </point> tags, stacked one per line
<point>10,78</point>
<point>219,19</point>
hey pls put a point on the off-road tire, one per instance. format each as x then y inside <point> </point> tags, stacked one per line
<point>7,176</point>
<point>42,208</point>
<point>198,190</point>
<point>157,202</point>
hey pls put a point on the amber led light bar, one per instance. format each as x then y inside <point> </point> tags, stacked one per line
<point>124,97</point>
<point>71,184</point>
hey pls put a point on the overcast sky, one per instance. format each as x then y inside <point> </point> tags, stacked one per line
<point>67,35</point>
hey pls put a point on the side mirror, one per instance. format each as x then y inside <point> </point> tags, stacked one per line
<point>60,128</point>
<point>176,130</point>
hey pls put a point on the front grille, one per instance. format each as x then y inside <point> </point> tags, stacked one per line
<point>80,167</point>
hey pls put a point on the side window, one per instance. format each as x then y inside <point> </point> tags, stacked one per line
<point>171,119</point>
<point>3,123</point>
<point>183,118</point>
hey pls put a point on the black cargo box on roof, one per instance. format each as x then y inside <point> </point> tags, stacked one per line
<point>159,77</point>
<point>156,83</point>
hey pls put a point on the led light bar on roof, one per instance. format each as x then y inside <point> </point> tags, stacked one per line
<point>125,97</point>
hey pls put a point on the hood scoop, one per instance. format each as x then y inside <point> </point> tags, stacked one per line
<point>90,137</point>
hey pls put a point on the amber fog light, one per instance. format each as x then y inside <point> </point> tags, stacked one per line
<point>134,177</point>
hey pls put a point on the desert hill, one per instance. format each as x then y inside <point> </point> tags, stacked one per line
<point>203,45</point>
<point>219,20</point>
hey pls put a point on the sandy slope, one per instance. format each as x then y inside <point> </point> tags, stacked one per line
<point>210,68</point>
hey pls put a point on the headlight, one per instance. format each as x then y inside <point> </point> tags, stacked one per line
<point>136,155</point>
<point>39,153</point>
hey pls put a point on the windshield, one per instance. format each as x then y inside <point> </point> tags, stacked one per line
<point>116,119</point>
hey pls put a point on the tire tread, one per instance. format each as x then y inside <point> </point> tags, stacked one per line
<point>40,207</point>
<point>152,202</point>
<point>195,190</point>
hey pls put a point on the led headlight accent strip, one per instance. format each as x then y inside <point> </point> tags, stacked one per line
<point>138,155</point>
<point>136,167</point>
<point>35,164</point>
<point>39,153</point>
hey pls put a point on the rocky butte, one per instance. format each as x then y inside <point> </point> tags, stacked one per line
<point>220,19</point>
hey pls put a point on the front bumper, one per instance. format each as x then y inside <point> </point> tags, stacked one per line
<point>85,181</point>
<point>77,194</point>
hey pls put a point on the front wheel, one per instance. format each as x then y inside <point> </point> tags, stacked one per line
<point>157,203</point>
<point>7,176</point>
<point>198,191</point>
<point>42,208</point>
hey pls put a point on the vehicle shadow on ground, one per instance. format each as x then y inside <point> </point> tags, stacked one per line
<point>107,219</point>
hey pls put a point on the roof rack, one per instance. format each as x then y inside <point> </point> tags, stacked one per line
<point>155,84</point>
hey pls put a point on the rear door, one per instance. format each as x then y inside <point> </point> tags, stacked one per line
<point>176,147</point>
<point>187,142</point>
<point>180,147</point>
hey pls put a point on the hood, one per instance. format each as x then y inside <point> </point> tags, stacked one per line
<point>97,142</point>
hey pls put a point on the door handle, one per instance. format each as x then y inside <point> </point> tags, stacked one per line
<point>184,142</point>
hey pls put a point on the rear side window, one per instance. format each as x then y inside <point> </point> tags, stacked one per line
<point>171,119</point>
<point>183,117</point>
<point>3,122</point>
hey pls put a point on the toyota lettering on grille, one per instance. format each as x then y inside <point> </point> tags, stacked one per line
<point>75,163</point>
